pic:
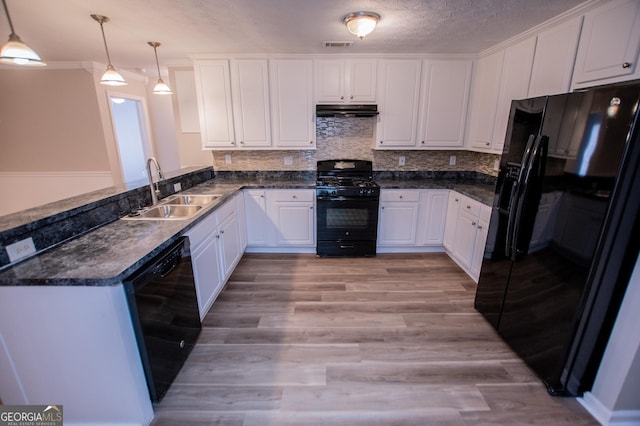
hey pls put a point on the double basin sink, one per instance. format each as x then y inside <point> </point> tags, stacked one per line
<point>175,207</point>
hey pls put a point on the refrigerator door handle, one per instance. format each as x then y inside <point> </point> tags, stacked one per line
<point>515,195</point>
<point>524,190</point>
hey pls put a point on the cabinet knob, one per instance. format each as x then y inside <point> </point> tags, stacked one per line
<point>241,142</point>
<point>626,65</point>
<point>311,142</point>
<point>487,143</point>
<point>401,196</point>
<point>341,97</point>
<point>422,142</point>
<point>293,196</point>
<point>381,142</point>
<point>351,97</point>
<point>457,200</point>
<point>468,206</point>
<point>218,236</point>
<point>473,223</point>
<point>479,226</point>
<point>181,343</point>
<point>382,208</point>
<point>222,231</point>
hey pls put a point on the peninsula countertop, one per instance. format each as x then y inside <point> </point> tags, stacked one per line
<point>109,254</point>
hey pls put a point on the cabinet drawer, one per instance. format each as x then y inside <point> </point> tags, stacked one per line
<point>292,195</point>
<point>399,195</point>
<point>470,206</point>
<point>225,210</point>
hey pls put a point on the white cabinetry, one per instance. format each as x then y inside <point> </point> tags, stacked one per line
<point>554,59</point>
<point>292,212</point>
<point>215,250</point>
<point>213,88</point>
<point>280,220</point>
<point>250,88</point>
<point>398,218</point>
<point>432,216</point>
<point>466,232</point>
<point>398,94</point>
<point>445,96</point>
<point>292,110</point>
<point>258,224</point>
<point>516,73</point>
<point>346,81</point>
<point>484,100</point>
<point>609,44</point>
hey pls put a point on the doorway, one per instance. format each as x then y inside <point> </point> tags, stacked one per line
<point>128,116</point>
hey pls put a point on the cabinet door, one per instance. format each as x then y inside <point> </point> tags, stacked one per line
<point>213,87</point>
<point>242,219</point>
<point>330,81</point>
<point>292,103</point>
<point>516,73</point>
<point>398,91</point>
<point>484,101</point>
<point>250,78</point>
<point>554,59</point>
<point>433,216</point>
<point>206,271</point>
<point>609,43</point>
<point>361,80</point>
<point>444,103</point>
<point>482,231</point>
<point>465,238</point>
<point>230,253</point>
<point>258,224</point>
<point>453,207</point>
<point>397,223</point>
<point>294,223</point>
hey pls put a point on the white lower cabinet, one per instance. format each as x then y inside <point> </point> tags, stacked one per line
<point>215,251</point>
<point>466,232</point>
<point>432,216</point>
<point>280,220</point>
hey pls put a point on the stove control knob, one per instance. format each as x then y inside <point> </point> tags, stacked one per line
<point>333,192</point>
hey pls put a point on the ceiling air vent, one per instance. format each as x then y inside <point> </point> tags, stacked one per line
<point>337,43</point>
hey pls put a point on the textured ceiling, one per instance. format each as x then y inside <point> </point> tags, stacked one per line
<point>61,30</point>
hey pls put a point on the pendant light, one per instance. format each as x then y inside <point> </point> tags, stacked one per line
<point>161,88</point>
<point>15,51</point>
<point>111,77</point>
<point>361,23</point>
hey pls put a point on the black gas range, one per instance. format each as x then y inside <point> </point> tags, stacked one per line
<point>347,201</point>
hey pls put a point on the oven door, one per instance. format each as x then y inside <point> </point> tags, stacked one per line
<point>346,225</point>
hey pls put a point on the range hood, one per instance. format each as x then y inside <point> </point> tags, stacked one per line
<point>346,110</point>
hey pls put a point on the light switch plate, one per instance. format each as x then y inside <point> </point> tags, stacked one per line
<point>177,187</point>
<point>21,249</point>
<point>227,159</point>
<point>401,161</point>
<point>288,160</point>
<point>452,160</point>
<point>496,165</point>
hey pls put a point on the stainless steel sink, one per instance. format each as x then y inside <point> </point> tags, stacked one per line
<point>166,212</point>
<point>197,200</point>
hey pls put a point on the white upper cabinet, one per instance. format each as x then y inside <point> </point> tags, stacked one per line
<point>292,108</point>
<point>609,44</point>
<point>398,94</point>
<point>484,100</point>
<point>445,97</point>
<point>346,81</point>
<point>250,88</point>
<point>213,87</point>
<point>554,59</point>
<point>516,73</point>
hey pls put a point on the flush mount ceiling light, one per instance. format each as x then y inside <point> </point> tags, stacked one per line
<point>161,88</point>
<point>111,77</point>
<point>361,23</point>
<point>15,51</point>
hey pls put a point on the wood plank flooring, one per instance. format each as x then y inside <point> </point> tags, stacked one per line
<point>390,340</point>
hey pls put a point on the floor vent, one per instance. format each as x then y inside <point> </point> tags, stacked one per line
<point>337,43</point>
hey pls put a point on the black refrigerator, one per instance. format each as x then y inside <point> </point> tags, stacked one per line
<point>560,248</point>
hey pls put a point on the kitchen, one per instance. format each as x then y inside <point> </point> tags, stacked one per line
<point>304,160</point>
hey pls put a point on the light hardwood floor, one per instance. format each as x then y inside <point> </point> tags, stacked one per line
<point>390,340</point>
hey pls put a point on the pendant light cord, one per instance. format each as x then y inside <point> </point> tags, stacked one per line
<point>155,50</point>
<point>6,11</point>
<point>104,39</point>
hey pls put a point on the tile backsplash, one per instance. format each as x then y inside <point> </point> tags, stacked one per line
<point>353,138</point>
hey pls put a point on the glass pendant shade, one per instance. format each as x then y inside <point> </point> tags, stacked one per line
<point>361,23</point>
<point>161,88</point>
<point>111,77</point>
<point>15,51</point>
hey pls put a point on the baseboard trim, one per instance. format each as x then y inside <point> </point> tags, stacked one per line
<point>607,417</point>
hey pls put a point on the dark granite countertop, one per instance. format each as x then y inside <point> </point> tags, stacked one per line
<point>110,253</point>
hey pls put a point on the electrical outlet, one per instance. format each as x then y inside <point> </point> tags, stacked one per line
<point>288,160</point>
<point>452,160</point>
<point>177,187</point>
<point>227,159</point>
<point>21,249</point>
<point>496,165</point>
<point>401,161</point>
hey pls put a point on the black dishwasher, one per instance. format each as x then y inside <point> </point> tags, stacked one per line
<point>164,311</point>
